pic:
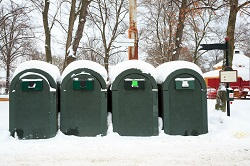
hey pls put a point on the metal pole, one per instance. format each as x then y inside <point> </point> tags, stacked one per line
<point>133,32</point>
<point>227,84</point>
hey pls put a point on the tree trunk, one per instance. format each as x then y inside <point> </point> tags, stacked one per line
<point>106,63</point>
<point>170,41</point>
<point>78,36</point>
<point>7,85</point>
<point>221,97</point>
<point>179,31</point>
<point>82,20</point>
<point>231,28</point>
<point>72,18</point>
<point>47,31</point>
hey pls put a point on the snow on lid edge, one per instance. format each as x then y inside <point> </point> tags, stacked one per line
<point>52,70</point>
<point>80,64</point>
<point>144,67</point>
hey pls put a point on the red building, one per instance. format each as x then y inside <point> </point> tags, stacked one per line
<point>241,88</point>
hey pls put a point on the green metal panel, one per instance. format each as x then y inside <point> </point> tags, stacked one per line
<point>32,113</point>
<point>184,83</point>
<point>184,110</point>
<point>32,85</point>
<point>134,84</point>
<point>83,109</point>
<point>134,110</point>
<point>83,84</point>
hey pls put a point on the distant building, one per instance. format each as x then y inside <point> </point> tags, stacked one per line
<point>241,63</point>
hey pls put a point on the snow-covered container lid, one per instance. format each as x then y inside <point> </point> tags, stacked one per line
<point>87,65</point>
<point>131,64</point>
<point>52,70</point>
<point>165,69</point>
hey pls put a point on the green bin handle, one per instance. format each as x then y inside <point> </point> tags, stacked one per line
<point>33,86</point>
<point>82,84</point>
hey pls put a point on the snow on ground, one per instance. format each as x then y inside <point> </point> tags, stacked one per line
<point>227,143</point>
<point>4,96</point>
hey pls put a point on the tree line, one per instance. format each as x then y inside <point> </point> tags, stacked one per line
<point>168,30</point>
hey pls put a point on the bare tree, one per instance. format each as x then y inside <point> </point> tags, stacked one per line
<point>108,18</point>
<point>47,30</point>
<point>80,11</point>
<point>49,20</point>
<point>160,21</point>
<point>198,29</point>
<point>15,35</point>
<point>166,26</point>
<point>235,7</point>
<point>189,8</point>
<point>92,49</point>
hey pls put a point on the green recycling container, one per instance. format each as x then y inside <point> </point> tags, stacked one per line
<point>135,104</point>
<point>33,104</point>
<point>83,106</point>
<point>183,103</point>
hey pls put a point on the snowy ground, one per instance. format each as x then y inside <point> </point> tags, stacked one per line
<point>227,143</point>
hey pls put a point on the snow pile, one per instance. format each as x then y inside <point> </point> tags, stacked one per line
<point>213,73</point>
<point>131,64</point>
<point>85,64</point>
<point>243,72</point>
<point>236,126</point>
<point>226,143</point>
<point>241,63</point>
<point>240,60</point>
<point>218,65</point>
<point>44,66</point>
<point>71,52</point>
<point>165,69</point>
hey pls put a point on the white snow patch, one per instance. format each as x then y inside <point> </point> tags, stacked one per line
<point>44,66</point>
<point>165,69</point>
<point>240,60</point>
<point>213,73</point>
<point>85,64</point>
<point>25,80</point>
<point>131,64</point>
<point>70,52</point>
<point>184,79</point>
<point>246,90</point>
<point>218,64</point>
<point>243,72</point>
